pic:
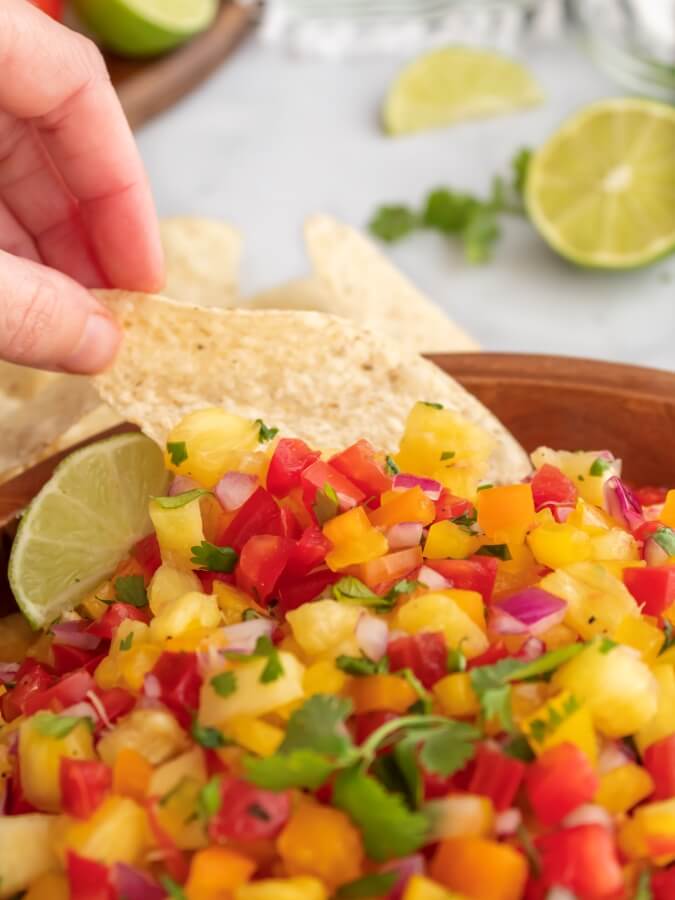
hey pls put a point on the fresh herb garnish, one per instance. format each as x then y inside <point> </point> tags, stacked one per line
<point>172,888</point>
<point>177,451</point>
<point>457,661</point>
<point>210,738</point>
<point>361,665</point>
<point>668,636</point>
<point>213,558</point>
<point>209,799</point>
<point>249,614</point>
<point>131,589</point>
<point>484,487</point>
<point>326,504</point>
<point>224,684</point>
<point>390,466</point>
<point>126,642</point>
<point>541,728</point>
<point>466,521</point>
<point>265,649</point>
<point>599,467</point>
<point>448,454</point>
<point>391,223</point>
<point>665,538</point>
<point>179,500</point>
<point>50,725</point>
<point>606,644</point>
<point>367,887</point>
<point>643,888</point>
<point>432,405</point>
<point>265,433</point>
<point>501,551</point>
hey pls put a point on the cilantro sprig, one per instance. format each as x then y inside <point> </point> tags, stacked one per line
<point>351,590</point>
<point>264,649</point>
<point>326,504</point>
<point>50,725</point>
<point>177,450</point>
<point>131,589</point>
<point>179,500</point>
<point>665,538</point>
<point>265,433</point>
<point>213,558</point>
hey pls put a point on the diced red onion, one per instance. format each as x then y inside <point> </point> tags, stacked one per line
<point>345,502</point>
<point>405,534</point>
<point>612,756</point>
<point>588,814</point>
<point>622,504</point>
<point>405,868</point>
<point>430,487</point>
<point>532,610</point>
<point>242,637</point>
<point>8,672</point>
<point>432,579</point>
<point>132,884</point>
<point>508,822</point>
<point>560,893</point>
<point>181,484</point>
<point>81,710</point>
<point>99,707</point>
<point>372,635</point>
<point>653,553</point>
<point>234,489</point>
<point>71,634</point>
<point>531,649</point>
<point>152,689</point>
<point>560,511</point>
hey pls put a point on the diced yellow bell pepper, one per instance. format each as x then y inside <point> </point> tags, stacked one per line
<point>40,755</point>
<point>641,634</point>
<point>51,886</point>
<point>116,832</point>
<point>668,512</point>
<point>623,788</point>
<point>438,611</point>
<point>254,735</point>
<point>562,718</point>
<point>446,539</point>
<point>419,887</point>
<point>412,505</point>
<point>508,509</point>
<point>559,545</point>
<point>169,584</point>
<point>322,842</point>
<point>662,723</point>
<point>354,539</point>
<point>300,888</point>
<point>323,677</point>
<point>215,872</point>
<point>456,696</point>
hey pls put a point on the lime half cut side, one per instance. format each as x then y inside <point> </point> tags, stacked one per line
<point>145,27</point>
<point>83,522</point>
<point>601,191</point>
<point>454,84</point>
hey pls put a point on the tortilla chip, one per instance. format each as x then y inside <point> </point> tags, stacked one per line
<point>202,260</point>
<point>301,293</point>
<point>312,375</point>
<point>19,384</point>
<point>365,287</point>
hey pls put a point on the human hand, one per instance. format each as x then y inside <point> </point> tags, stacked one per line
<point>75,207</point>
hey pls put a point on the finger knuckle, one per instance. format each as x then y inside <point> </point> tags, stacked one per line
<point>90,58</point>
<point>29,325</point>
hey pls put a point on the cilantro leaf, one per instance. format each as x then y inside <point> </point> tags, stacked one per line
<point>466,521</point>
<point>177,451</point>
<point>520,165</point>
<point>390,466</point>
<point>643,888</point>
<point>172,888</point>
<point>449,211</point>
<point>391,223</point>
<point>539,729</point>
<point>224,684</point>
<point>456,661</point>
<point>326,504</point>
<point>605,645</point>
<point>319,725</point>
<point>265,433</point>
<point>179,500</point>
<point>388,828</point>
<point>406,586</point>
<point>131,589</point>
<point>665,538</point>
<point>480,234</point>
<point>599,467</point>
<point>519,748</point>
<point>301,768</point>
<point>408,774</point>
<point>210,738</point>
<point>448,454</point>
<point>501,551</point>
<point>351,590</point>
<point>484,487</point>
<point>432,405</point>
<point>50,725</point>
<point>361,665</point>
<point>668,636</point>
<point>214,559</point>
<point>367,887</point>
<point>446,750</point>
<point>494,692</point>
<point>126,642</point>
<point>547,662</point>
<point>209,799</point>
<point>263,648</point>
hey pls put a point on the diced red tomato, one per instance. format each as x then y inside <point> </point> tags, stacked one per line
<point>172,857</point>
<point>382,573</point>
<point>31,678</point>
<point>289,459</point>
<point>68,690</point>
<point>146,552</point>
<point>316,476</point>
<point>308,553</point>
<point>88,879</point>
<point>659,760</point>
<point>209,578</point>
<point>364,724</point>
<point>107,625</point>
<point>53,8</point>
<point>435,785</point>
<point>248,813</point>
<point>16,803</point>
<point>493,654</point>
<point>551,486</point>
<point>293,593</point>
<point>653,586</point>
<point>650,495</point>
<point>179,681</point>
<point>559,781</point>
<point>259,515</point>
<point>450,507</point>
<point>663,884</point>
<point>261,563</point>
<point>497,776</point>
<point>84,784</point>
<point>65,658</point>
<point>291,528</point>
<point>360,464</point>
<point>116,702</point>
<point>426,654</point>
<point>646,530</point>
<point>582,859</point>
<point>478,573</point>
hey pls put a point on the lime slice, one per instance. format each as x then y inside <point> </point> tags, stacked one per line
<point>601,191</point>
<point>453,84</point>
<point>83,522</point>
<point>145,27</point>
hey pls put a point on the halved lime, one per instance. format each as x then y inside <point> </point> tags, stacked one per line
<point>601,191</point>
<point>453,84</point>
<point>145,27</point>
<point>83,522</point>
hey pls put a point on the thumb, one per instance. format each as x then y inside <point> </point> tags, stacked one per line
<point>51,322</point>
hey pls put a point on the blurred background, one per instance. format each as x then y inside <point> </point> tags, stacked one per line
<point>289,123</point>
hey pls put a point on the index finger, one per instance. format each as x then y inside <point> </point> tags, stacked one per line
<point>58,80</point>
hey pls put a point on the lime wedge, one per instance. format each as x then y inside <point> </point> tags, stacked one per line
<point>145,27</point>
<point>601,191</point>
<point>453,84</point>
<point>83,522</point>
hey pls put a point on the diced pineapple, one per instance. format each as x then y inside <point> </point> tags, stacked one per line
<point>644,636</point>
<point>123,640</point>
<point>559,545</point>
<point>232,602</point>
<point>135,664</point>
<point>40,755</point>
<point>623,788</point>
<point>588,518</point>
<point>215,442</point>
<point>178,531</point>
<point>16,636</point>
<point>255,735</point>
<point>562,718</point>
<point>154,733</point>
<point>116,832</point>
<point>325,626</point>
<point>438,611</point>
<point>323,677</point>
<point>169,774</point>
<point>618,688</point>
<point>662,723</point>
<point>26,851</point>
<point>597,602</point>
<point>615,544</point>
<point>252,696</point>
<point>176,814</point>
<point>183,614</point>
<point>301,888</point>
<point>577,466</point>
<point>169,584</point>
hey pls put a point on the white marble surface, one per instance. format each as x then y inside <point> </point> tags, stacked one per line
<point>270,139</point>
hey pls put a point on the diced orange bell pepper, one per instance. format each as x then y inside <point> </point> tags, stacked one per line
<point>480,868</point>
<point>506,510</point>
<point>404,506</point>
<point>668,513</point>
<point>216,872</point>
<point>379,574</point>
<point>381,692</point>
<point>354,540</point>
<point>131,774</point>
<point>321,841</point>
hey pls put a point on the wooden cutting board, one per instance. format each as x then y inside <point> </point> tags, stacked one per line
<point>148,87</point>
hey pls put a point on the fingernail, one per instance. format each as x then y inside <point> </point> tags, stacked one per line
<point>97,347</point>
